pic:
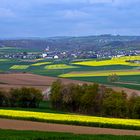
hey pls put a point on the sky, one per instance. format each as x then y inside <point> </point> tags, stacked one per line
<point>47,18</point>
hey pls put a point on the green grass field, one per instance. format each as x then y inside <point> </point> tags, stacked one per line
<point>103,80</point>
<point>35,135</point>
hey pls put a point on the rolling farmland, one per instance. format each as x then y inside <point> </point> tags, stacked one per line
<point>40,70</point>
<point>88,70</point>
<point>69,70</point>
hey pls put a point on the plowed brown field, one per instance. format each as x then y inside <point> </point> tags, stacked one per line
<point>16,80</point>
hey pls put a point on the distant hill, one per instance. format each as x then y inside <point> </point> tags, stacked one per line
<point>71,43</point>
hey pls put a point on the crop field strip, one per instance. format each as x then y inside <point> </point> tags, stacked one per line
<point>19,67</point>
<point>113,61</point>
<point>41,63</point>
<point>4,60</point>
<point>101,73</point>
<point>59,66</point>
<point>71,119</point>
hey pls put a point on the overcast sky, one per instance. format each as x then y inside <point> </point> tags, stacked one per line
<point>44,18</point>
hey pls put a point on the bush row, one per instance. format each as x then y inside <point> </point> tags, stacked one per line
<point>23,97</point>
<point>94,100</point>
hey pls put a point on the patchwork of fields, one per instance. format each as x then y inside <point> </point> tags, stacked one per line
<point>88,70</point>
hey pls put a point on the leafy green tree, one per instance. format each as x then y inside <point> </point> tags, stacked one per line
<point>134,106</point>
<point>25,97</point>
<point>56,95</point>
<point>14,97</point>
<point>4,98</point>
<point>89,97</point>
<point>115,104</point>
<point>37,97</point>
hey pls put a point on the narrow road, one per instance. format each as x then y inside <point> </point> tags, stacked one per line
<point>47,127</point>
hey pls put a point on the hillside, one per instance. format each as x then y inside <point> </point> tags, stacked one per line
<point>94,43</point>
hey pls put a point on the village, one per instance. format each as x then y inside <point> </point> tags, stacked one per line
<point>71,54</point>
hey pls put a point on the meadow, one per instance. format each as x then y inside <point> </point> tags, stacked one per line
<point>71,119</point>
<point>36,135</point>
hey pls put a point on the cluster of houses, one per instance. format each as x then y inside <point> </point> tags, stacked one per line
<point>71,54</point>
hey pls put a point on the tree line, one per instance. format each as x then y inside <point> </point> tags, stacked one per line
<point>23,97</point>
<point>94,99</point>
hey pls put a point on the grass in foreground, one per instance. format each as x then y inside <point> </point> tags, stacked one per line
<point>71,119</point>
<point>35,135</point>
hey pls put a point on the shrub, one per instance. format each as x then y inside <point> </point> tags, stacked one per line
<point>24,97</point>
<point>134,107</point>
<point>113,78</point>
<point>4,98</point>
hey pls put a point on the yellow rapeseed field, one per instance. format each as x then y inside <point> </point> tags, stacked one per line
<point>113,61</point>
<point>19,67</point>
<point>70,119</point>
<point>59,66</point>
<point>101,73</point>
<point>41,63</point>
<point>4,60</point>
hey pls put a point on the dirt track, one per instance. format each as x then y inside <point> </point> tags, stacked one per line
<point>42,82</point>
<point>47,127</point>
